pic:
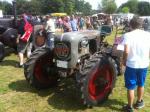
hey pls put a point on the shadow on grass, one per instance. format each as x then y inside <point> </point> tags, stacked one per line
<point>9,63</point>
<point>23,86</point>
<point>8,51</point>
<point>62,100</point>
<point>113,104</point>
<point>64,97</point>
<point>68,98</point>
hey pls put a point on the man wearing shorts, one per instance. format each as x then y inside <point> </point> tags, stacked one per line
<point>136,59</point>
<point>22,46</point>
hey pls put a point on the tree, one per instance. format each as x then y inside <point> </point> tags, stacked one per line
<point>51,6</point>
<point>143,8</point>
<point>6,8</point>
<point>131,4</point>
<point>82,7</point>
<point>87,9</point>
<point>99,7</point>
<point>37,7</point>
<point>69,6</point>
<point>23,6</point>
<point>109,6</point>
<point>125,10</point>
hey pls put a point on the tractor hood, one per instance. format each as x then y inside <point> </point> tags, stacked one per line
<point>78,35</point>
<point>67,45</point>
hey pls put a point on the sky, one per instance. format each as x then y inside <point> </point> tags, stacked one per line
<point>95,3</point>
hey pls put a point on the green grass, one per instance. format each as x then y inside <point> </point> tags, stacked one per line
<point>17,96</point>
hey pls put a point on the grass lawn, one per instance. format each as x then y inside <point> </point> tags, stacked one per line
<point>17,96</point>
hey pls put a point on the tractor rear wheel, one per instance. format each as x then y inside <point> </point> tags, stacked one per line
<point>2,51</point>
<point>98,79</point>
<point>39,70</point>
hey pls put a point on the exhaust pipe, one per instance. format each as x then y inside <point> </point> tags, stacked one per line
<point>14,13</point>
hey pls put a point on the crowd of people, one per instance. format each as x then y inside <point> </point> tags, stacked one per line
<point>75,23</point>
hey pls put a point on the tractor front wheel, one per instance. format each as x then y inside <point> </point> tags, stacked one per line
<point>39,69</point>
<point>98,79</point>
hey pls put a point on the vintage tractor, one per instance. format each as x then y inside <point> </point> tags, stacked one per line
<point>81,55</point>
<point>8,33</point>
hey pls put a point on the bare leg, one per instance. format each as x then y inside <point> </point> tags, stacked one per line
<point>29,48</point>
<point>21,58</point>
<point>130,96</point>
<point>140,92</point>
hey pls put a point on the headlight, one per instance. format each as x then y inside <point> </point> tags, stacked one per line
<point>52,39</point>
<point>84,42</point>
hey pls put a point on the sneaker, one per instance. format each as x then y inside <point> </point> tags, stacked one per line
<point>20,66</point>
<point>127,108</point>
<point>139,104</point>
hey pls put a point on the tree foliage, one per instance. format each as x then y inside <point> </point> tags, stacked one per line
<point>6,7</point>
<point>143,8</point>
<point>38,7</point>
<point>99,7</point>
<point>131,4</point>
<point>138,7</point>
<point>109,6</point>
<point>82,7</point>
<point>125,10</point>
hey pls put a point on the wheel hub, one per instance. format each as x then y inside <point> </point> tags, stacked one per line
<point>100,83</point>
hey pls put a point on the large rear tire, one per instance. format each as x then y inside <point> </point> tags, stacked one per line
<point>2,51</point>
<point>98,79</point>
<point>39,69</point>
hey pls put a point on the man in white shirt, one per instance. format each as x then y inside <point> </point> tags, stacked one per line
<point>136,59</point>
<point>50,24</point>
<point>50,29</point>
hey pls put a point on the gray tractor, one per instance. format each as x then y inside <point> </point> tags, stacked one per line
<point>81,55</point>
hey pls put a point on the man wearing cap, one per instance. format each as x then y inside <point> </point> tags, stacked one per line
<point>136,59</point>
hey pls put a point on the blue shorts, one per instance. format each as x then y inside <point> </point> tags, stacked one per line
<point>134,77</point>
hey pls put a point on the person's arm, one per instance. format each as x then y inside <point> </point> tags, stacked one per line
<point>20,30</point>
<point>46,26</point>
<point>18,37</point>
<point>125,54</point>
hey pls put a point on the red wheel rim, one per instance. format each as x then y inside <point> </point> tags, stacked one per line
<point>101,82</point>
<point>41,69</point>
